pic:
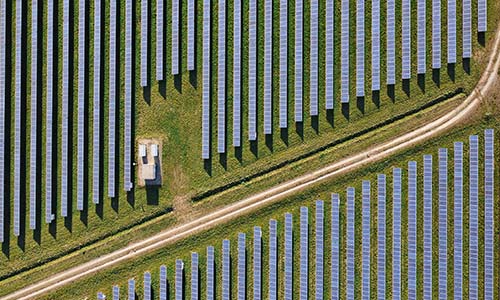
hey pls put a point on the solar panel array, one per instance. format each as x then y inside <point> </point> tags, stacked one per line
<point>466,29</point>
<point>116,292</point>
<point>175,36</point>
<point>391,42</point>
<point>34,112</point>
<point>366,240</point>
<point>96,152</point>
<point>452,31</point>
<point>406,39</point>
<point>482,15</point>
<point>412,230</point>
<point>82,103</point>
<point>335,233</point>
<point>299,69</point>
<point>381,239</point>
<point>127,163</point>
<point>351,244</point>
<point>273,259</point>
<point>194,276</point>
<point>344,52</point>
<point>427,190</point>
<point>421,36</point>
<point>443,222</point>
<point>396,233</point>
<point>237,73</point>
<point>489,209</point>
<point>160,21</point>
<point>457,218</point>
<point>144,42</point>
<point>241,266</point>
<point>257,263</point>
<point>376,45</point>
<point>283,62</point>
<point>221,79</point>
<point>179,274</point>
<point>2,115</point>
<point>147,286</point>
<point>65,119</point>
<point>49,109</point>
<point>473,217</point>
<point>268,66</point>
<point>17,121</point>
<point>131,289</point>
<point>163,283</point>
<point>320,240</point>
<point>252,71</point>
<point>313,60</point>
<point>113,79</point>
<point>210,273</point>
<point>436,34</point>
<point>329,54</point>
<point>205,124</point>
<point>226,267</point>
<point>304,252</point>
<point>288,257</point>
<point>191,35</point>
<point>360,48</point>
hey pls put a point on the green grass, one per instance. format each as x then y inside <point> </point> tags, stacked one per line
<point>103,281</point>
<point>176,118</point>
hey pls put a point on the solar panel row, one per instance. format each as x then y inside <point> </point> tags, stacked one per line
<point>116,292</point>
<point>257,263</point>
<point>65,119</point>
<point>226,267</point>
<point>436,34</point>
<point>82,71</point>
<point>360,48</point>
<point>96,150</point>
<point>237,73</point>
<point>376,45</point>
<point>365,284</point>
<point>127,163</point>
<point>381,240</point>
<point>191,46</point>
<point>482,15</point>
<point>391,42</point>
<point>34,112</point>
<point>452,31</point>
<point>163,283</point>
<point>268,66</point>
<point>175,36</point>
<point>412,230</point>
<point>443,222</point>
<point>100,296</point>
<point>473,217</point>
<point>320,215</point>
<point>335,247</point>
<point>304,253</point>
<point>252,71</point>
<point>194,276</point>
<point>283,62</point>
<point>344,52</point>
<point>113,80</point>
<point>457,218</point>
<point>2,115</point>
<point>144,42</point>
<point>396,233</point>
<point>49,111</point>
<point>351,244</point>
<point>313,60</point>
<point>406,39</point>
<point>329,53</point>
<point>427,226</point>
<point>466,28</point>
<point>210,273</point>
<point>288,257</point>
<point>221,79</point>
<point>241,266</point>
<point>421,36</point>
<point>489,246</point>
<point>147,286</point>
<point>205,124</point>
<point>131,289</point>
<point>160,20</point>
<point>299,7</point>
<point>18,116</point>
<point>273,259</point>
<point>179,284</point>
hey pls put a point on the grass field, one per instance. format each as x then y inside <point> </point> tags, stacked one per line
<point>103,281</point>
<point>177,116</point>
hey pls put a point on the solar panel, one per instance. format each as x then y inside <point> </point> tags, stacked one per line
<point>443,222</point>
<point>298,60</point>
<point>406,39</point>
<point>116,292</point>
<point>344,52</point>
<point>221,79</point>
<point>457,218</point>
<point>381,236</point>
<point>273,259</point>
<point>237,73</point>
<point>2,115</point>
<point>82,71</point>
<point>268,66</point>
<point>163,283</point>
<point>194,276</point>
<point>391,42</point>
<point>473,217</point>
<point>241,266</point>
<point>351,244</point>
<point>100,296</point>
<point>147,286</point>
<point>175,36</point>
<point>427,190</point>
<point>366,247</point>
<point>257,263</point>
<point>320,240</point>
<point>329,53</point>
<point>396,233</point>
<point>226,261</point>
<point>127,163</point>
<point>376,45</point>
<point>18,117</point>
<point>421,36</point>
<point>489,209</point>
<point>252,71</point>
<point>49,110</point>
<point>179,273</point>
<point>304,252</point>
<point>436,34</point>
<point>191,35</point>
<point>335,244</point>
<point>466,28</point>
<point>34,112</point>
<point>96,151</point>
<point>131,289</point>
<point>288,257</point>
<point>452,31</point>
<point>313,59</point>
<point>160,21</point>
<point>482,15</point>
<point>113,79</point>
<point>205,124</point>
<point>412,230</point>
<point>144,42</point>
<point>360,48</point>
<point>210,273</point>
<point>283,62</point>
